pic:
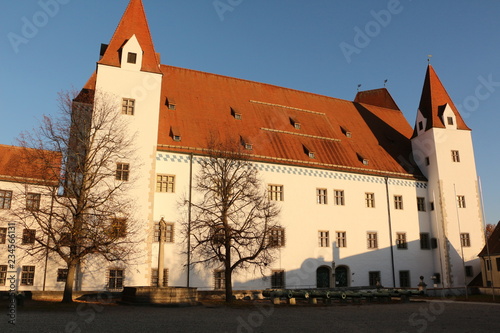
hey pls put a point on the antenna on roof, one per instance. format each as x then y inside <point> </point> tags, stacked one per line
<point>359,86</point>
<point>385,81</point>
<point>429,58</point>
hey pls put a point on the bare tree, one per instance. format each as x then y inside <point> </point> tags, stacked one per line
<point>84,209</point>
<point>489,230</point>
<point>232,219</point>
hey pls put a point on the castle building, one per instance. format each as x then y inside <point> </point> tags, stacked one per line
<point>364,196</point>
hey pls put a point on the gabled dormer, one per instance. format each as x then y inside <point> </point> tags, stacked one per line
<point>131,46</point>
<point>448,116</point>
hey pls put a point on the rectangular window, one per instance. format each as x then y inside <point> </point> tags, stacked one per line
<point>122,171</point>
<point>165,183</point>
<point>3,274</point>
<point>487,262</point>
<point>450,120</point>
<point>425,241</point>
<point>465,239</point>
<point>278,279</point>
<point>33,201</point>
<point>498,264</point>
<point>168,233</point>
<point>5,199</point>
<point>27,275</point>
<point>219,280</point>
<point>277,237</point>
<point>370,200</point>
<point>341,239</point>
<point>455,156</point>
<point>115,280</point>
<point>118,228</point>
<point>427,161</point>
<point>324,238</point>
<point>128,106</point>
<point>421,204</point>
<point>275,192</point>
<point>372,240</point>
<point>132,58</point>
<point>461,201</point>
<point>404,279</point>
<point>62,275</point>
<point>154,277</point>
<point>420,125</point>
<point>374,278</point>
<point>28,236</point>
<point>339,197</point>
<point>321,196</point>
<point>469,272</point>
<point>398,202</point>
<point>3,235</point>
<point>401,241</point>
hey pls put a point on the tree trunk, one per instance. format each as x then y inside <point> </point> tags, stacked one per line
<point>70,281</point>
<point>229,284</point>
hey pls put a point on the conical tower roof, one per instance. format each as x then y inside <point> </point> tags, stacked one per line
<point>133,22</point>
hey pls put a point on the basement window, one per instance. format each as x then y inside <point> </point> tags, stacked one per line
<point>132,58</point>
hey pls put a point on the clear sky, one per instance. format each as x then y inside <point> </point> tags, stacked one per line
<point>322,46</point>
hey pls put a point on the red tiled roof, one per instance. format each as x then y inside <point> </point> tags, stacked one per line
<point>434,97</point>
<point>493,243</point>
<point>204,104</point>
<point>377,97</point>
<point>19,164</point>
<point>133,22</point>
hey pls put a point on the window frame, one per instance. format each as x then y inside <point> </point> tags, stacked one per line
<point>33,201</point>
<point>128,106</point>
<point>323,238</point>
<point>401,243</point>
<point>339,197</point>
<point>341,238</point>
<point>154,277</point>
<point>219,279</point>
<point>455,156</point>
<point>369,200</point>
<point>425,241</point>
<point>374,278</point>
<point>165,183</point>
<point>465,239</point>
<point>404,281</point>
<point>62,275</point>
<point>278,279</point>
<point>168,235</point>
<point>132,58</point>
<point>275,192</point>
<point>398,202</point>
<point>28,275</point>
<point>29,236</point>
<point>461,201</point>
<point>122,172</point>
<point>322,196</point>
<point>277,237</point>
<point>115,278</point>
<point>5,199</point>
<point>372,240</point>
<point>3,235</point>
<point>3,275</point>
<point>421,204</point>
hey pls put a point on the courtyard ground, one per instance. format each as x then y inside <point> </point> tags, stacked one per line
<point>429,315</point>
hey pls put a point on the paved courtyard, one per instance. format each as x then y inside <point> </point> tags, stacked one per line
<point>430,316</point>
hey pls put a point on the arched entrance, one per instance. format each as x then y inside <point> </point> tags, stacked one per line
<point>323,275</point>
<point>342,276</point>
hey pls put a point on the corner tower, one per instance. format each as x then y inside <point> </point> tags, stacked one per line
<point>442,148</point>
<point>129,71</point>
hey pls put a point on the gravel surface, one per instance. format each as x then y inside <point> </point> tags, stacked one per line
<point>429,316</point>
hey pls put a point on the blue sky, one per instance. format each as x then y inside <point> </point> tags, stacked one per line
<point>314,46</point>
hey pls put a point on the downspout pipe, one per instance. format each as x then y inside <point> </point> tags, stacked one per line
<point>390,231</point>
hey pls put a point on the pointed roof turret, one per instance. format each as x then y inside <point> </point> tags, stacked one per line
<point>434,98</point>
<point>133,22</point>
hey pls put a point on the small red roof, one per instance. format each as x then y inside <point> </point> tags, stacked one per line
<point>434,97</point>
<point>21,164</point>
<point>133,22</point>
<point>493,243</point>
<point>377,97</point>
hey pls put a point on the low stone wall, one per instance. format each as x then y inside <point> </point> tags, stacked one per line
<point>79,295</point>
<point>164,296</point>
<point>489,290</point>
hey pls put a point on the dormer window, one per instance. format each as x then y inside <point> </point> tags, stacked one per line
<point>450,120</point>
<point>171,103</point>
<point>309,152</point>
<point>132,58</point>
<point>420,125</point>
<point>246,143</point>
<point>236,114</point>
<point>175,133</point>
<point>362,159</point>
<point>295,123</point>
<point>345,131</point>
